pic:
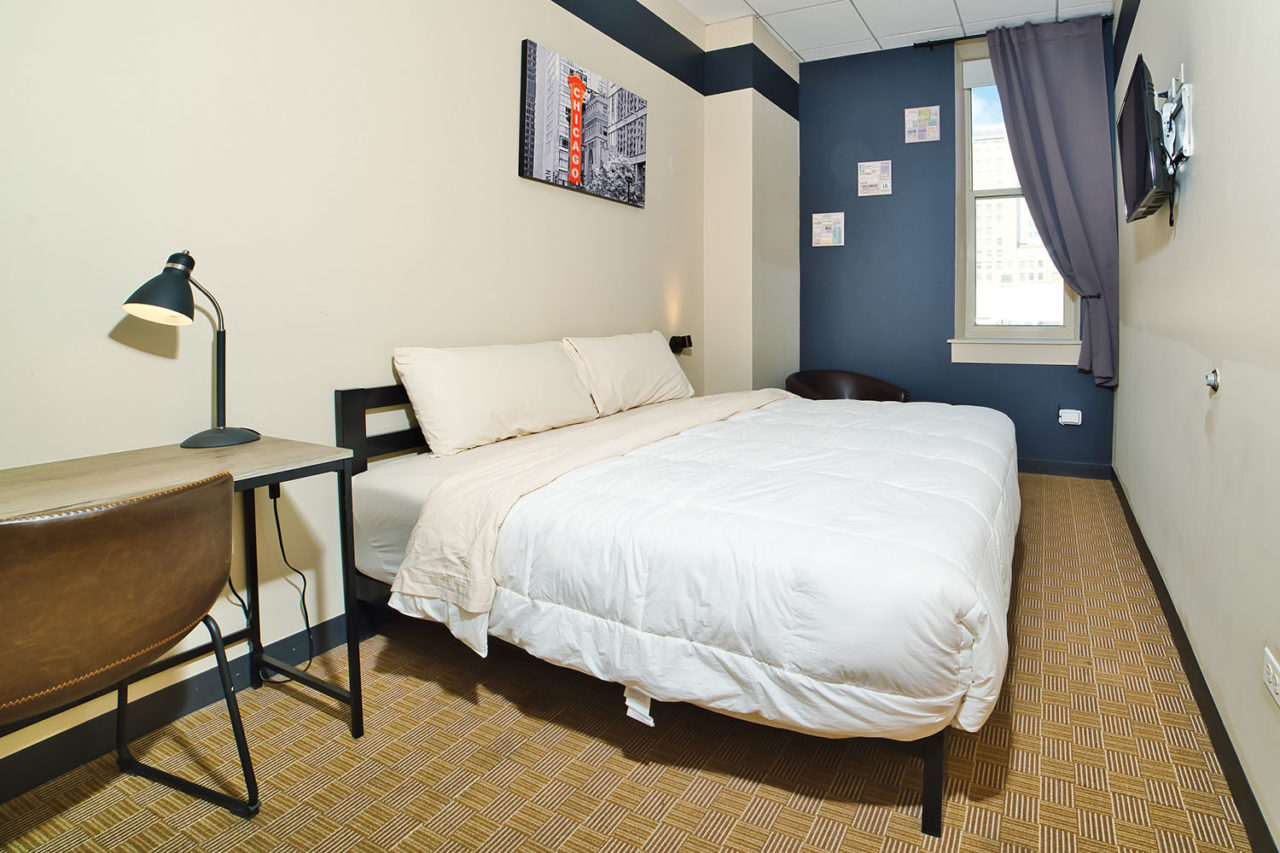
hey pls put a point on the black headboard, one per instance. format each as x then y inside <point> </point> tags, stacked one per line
<point>350,409</point>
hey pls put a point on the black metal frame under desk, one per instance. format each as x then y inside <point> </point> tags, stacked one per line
<point>270,461</point>
<point>258,658</point>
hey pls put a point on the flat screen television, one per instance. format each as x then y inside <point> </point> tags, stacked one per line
<point>1143,170</point>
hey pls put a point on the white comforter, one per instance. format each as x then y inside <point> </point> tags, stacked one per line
<point>837,567</point>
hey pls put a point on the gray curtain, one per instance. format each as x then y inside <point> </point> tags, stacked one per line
<point>1052,80</point>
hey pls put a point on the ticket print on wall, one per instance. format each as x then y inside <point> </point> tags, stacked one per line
<point>578,130</point>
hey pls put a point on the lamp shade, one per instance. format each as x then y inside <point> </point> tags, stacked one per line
<point>167,298</point>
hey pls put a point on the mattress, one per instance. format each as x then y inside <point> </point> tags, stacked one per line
<point>840,568</point>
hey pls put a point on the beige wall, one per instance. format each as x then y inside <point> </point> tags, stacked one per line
<point>1201,471</point>
<point>752,203</point>
<point>749,30</point>
<point>727,237</point>
<point>344,174</point>
<point>775,302</point>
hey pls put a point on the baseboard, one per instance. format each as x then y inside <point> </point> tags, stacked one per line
<point>1065,469</point>
<point>1255,824</point>
<point>55,755</point>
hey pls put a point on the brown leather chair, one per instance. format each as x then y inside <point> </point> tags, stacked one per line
<point>844,385</point>
<point>93,595</point>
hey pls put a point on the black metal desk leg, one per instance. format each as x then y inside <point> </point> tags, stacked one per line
<point>251,586</point>
<point>350,603</point>
<point>935,773</point>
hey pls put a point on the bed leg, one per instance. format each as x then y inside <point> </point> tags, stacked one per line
<point>935,771</point>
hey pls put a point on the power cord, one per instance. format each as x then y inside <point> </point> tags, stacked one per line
<point>302,596</point>
<point>244,608</point>
<point>274,492</point>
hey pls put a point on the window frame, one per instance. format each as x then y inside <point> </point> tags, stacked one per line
<point>987,343</point>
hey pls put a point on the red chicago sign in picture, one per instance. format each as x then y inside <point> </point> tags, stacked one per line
<point>577,89</point>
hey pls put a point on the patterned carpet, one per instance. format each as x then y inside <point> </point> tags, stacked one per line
<point>1096,745</point>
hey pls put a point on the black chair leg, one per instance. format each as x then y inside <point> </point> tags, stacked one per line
<point>935,773</point>
<point>246,808</point>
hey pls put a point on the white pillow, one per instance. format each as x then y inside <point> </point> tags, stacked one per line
<point>625,371</point>
<point>468,396</point>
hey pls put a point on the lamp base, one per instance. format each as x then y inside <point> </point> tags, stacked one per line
<point>222,437</point>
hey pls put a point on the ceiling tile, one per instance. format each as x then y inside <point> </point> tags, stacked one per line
<point>715,11</point>
<point>845,49</point>
<point>777,36</point>
<point>977,28</point>
<point>990,10</point>
<point>772,7</point>
<point>905,39</point>
<point>821,29</point>
<point>891,17</point>
<point>819,26</point>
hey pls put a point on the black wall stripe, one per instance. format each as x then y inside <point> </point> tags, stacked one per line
<point>1124,28</point>
<point>746,66</point>
<point>775,84</point>
<point>714,72</point>
<point>1255,825</point>
<point>636,28</point>
<point>729,69</point>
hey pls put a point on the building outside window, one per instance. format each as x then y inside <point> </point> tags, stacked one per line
<point>1010,312</point>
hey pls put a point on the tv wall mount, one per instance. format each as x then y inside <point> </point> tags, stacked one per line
<point>1175,118</point>
<point>1175,121</point>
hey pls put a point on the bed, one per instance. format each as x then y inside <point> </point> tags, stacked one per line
<point>839,568</point>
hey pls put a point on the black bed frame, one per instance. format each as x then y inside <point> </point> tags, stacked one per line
<point>351,407</point>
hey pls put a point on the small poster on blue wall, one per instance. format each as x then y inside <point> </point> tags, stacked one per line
<point>923,123</point>
<point>875,178</point>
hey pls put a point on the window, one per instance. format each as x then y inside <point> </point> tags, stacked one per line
<point>1004,311</point>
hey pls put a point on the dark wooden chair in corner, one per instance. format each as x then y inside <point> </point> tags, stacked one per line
<point>92,595</point>
<point>844,385</point>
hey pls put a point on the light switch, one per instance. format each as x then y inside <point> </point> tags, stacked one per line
<point>1070,417</point>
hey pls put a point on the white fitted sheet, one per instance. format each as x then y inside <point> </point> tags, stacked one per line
<point>386,500</point>
<point>388,497</point>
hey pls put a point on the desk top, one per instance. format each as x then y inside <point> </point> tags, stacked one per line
<point>97,479</point>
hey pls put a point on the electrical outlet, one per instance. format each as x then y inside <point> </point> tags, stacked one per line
<point>1271,674</point>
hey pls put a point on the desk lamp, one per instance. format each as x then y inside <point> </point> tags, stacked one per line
<point>167,299</point>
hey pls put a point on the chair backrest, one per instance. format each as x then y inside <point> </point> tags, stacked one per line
<point>844,385</point>
<point>89,596</point>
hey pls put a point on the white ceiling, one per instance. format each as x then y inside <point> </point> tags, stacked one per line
<point>821,29</point>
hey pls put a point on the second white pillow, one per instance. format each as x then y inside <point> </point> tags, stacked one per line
<point>625,371</point>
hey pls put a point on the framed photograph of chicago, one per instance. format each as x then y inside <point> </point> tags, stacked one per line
<point>578,130</point>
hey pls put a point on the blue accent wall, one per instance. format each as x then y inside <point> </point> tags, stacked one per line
<point>884,303</point>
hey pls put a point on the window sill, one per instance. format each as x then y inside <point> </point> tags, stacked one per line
<point>1013,351</point>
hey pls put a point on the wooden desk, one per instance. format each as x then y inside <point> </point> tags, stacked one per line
<point>53,486</point>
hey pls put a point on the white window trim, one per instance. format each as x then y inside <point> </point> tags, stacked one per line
<point>994,344</point>
<point>1013,351</point>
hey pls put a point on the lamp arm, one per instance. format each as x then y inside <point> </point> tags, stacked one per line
<point>219,362</point>
<point>216,307</point>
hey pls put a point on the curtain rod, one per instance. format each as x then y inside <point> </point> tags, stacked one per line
<point>944,42</point>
